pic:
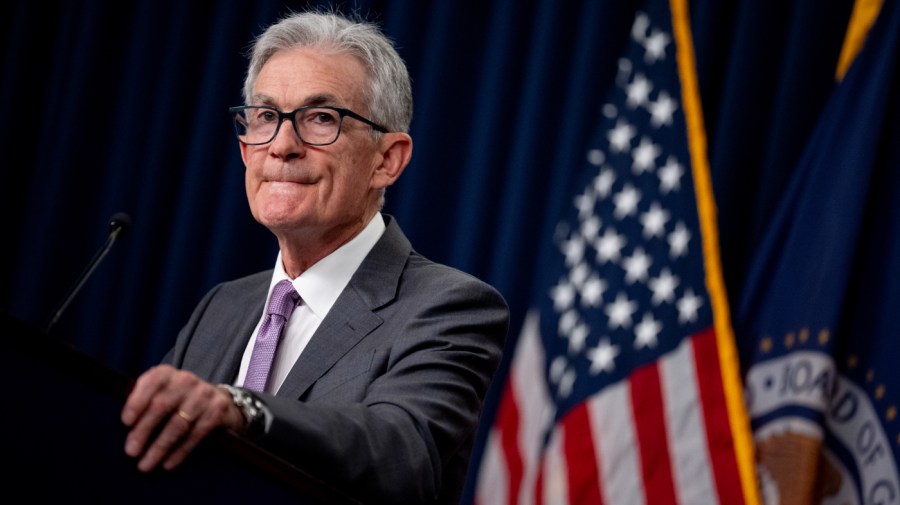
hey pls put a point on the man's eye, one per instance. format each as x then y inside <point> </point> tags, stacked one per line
<point>323,118</point>
<point>266,116</point>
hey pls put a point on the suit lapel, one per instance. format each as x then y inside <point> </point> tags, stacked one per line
<point>244,304</point>
<point>353,315</point>
<point>226,368</point>
<point>338,334</point>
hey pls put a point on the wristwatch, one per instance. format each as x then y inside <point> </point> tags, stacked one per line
<point>251,407</point>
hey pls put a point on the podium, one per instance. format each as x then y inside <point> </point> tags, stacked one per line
<point>63,441</point>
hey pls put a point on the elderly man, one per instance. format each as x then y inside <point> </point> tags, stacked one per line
<point>355,358</point>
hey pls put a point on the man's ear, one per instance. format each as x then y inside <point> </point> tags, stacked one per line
<point>243,147</point>
<point>396,151</point>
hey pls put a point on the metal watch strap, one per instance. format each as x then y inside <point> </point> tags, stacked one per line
<point>252,409</point>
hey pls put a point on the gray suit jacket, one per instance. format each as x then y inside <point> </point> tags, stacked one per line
<point>385,399</point>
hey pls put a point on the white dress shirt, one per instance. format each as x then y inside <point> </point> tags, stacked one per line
<point>319,287</point>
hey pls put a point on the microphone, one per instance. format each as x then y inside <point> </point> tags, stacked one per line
<point>119,224</point>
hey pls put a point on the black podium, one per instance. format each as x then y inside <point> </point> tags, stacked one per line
<point>63,441</point>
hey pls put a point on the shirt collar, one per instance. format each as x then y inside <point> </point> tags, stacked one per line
<point>321,284</point>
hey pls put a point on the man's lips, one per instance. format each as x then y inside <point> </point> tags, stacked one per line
<point>294,179</point>
<point>274,187</point>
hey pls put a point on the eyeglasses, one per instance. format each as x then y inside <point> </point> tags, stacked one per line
<point>316,126</point>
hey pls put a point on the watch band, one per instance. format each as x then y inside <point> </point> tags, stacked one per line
<point>253,410</point>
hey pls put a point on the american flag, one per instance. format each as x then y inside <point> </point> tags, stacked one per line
<point>615,393</point>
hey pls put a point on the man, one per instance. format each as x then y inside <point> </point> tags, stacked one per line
<point>378,378</point>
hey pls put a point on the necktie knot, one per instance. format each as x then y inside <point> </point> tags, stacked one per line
<point>284,299</point>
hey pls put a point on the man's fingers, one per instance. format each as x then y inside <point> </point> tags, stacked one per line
<point>180,412</point>
<point>200,428</point>
<point>147,386</point>
<point>161,407</point>
<point>169,439</point>
<point>212,410</point>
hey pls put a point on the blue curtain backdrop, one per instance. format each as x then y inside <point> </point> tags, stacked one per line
<point>121,106</point>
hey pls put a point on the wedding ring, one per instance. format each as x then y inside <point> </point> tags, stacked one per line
<point>187,417</point>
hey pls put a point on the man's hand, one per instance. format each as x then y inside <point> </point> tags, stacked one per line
<point>181,409</point>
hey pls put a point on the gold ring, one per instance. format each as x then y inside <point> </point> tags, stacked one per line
<point>187,417</point>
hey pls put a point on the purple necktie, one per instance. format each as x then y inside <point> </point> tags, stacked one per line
<point>281,305</point>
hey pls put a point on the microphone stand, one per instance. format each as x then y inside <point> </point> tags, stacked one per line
<point>118,224</point>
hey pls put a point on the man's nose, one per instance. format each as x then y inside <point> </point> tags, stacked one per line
<point>287,143</point>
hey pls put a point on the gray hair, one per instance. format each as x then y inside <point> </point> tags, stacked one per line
<point>389,92</point>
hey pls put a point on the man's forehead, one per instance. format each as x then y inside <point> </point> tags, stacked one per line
<point>307,76</point>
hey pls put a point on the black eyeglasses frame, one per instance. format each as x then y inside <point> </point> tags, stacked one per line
<point>342,112</point>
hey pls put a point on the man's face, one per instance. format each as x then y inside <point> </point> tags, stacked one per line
<point>325,192</point>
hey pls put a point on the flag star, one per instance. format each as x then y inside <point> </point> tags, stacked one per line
<point>557,368</point>
<point>636,266</point>
<point>563,294</point>
<point>596,157</point>
<point>562,375</point>
<point>645,155</point>
<point>646,332</point>
<point>566,383</point>
<point>640,26</point>
<point>573,249</point>
<point>590,228</point>
<point>603,183</point>
<point>567,322</point>
<point>638,91</point>
<point>578,274</point>
<point>619,312</point>
<point>592,291</point>
<point>609,246</point>
<point>678,240</point>
<point>688,305</point>
<point>655,46</point>
<point>663,287</point>
<point>626,201</point>
<point>610,111</point>
<point>577,337</point>
<point>603,357</point>
<point>661,110</point>
<point>620,136</point>
<point>585,203</point>
<point>654,221</point>
<point>624,67</point>
<point>670,175</point>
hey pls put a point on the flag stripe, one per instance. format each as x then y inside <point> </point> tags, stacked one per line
<point>553,481</point>
<point>508,416</point>
<point>523,412</point>
<point>534,406</point>
<point>715,414</point>
<point>615,444</point>
<point>521,416</point>
<point>580,457</point>
<point>686,427</point>
<point>646,402</point>
<point>493,464</point>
